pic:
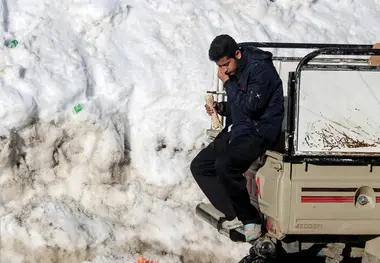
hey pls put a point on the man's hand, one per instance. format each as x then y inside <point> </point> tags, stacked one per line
<point>210,110</point>
<point>217,107</point>
<point>222,75</point>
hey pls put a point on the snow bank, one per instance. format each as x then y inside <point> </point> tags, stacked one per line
<point>112,182</point>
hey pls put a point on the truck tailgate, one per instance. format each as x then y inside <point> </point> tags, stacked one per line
<point>335,199</point>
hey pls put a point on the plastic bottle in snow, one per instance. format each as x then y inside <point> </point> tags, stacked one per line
<point>77,108</point>
<point>12,44</point>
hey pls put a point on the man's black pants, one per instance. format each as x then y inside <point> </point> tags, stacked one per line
<point>218,169</point>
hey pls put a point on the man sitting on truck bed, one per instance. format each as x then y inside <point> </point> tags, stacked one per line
<point>254,113</point>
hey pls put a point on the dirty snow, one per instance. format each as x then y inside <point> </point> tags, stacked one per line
<point>112,182</point>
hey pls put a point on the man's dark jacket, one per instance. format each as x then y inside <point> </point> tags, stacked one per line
<point>255,100</point>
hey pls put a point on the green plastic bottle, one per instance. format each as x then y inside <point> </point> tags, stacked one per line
<point>13,43</point>
<point>77,108</point>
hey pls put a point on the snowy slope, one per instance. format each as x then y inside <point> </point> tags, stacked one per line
<point>112,182</point>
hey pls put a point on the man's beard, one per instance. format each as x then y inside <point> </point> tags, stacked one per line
<point>231,73</point>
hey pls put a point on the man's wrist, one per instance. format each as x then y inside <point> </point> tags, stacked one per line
<point>219,107</point>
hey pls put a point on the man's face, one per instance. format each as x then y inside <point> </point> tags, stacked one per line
<point>229,65</point>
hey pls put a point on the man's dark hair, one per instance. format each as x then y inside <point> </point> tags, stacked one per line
<point>222,46</point>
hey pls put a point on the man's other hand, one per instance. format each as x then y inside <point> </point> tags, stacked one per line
<point>222,75</point>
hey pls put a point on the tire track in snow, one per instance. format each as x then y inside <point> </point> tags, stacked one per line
<point>89,91</point>
<point>5,15</point>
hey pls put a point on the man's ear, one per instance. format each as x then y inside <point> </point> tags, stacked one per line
<point>238,54</point>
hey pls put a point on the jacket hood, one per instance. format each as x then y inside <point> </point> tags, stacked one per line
<point>253,53</point>
<point>250,55</point>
